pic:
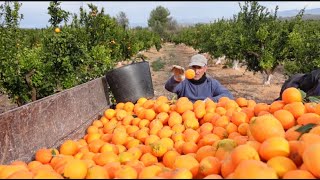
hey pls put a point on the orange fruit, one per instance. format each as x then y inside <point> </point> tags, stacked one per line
<point>308,118</point>
<point>47,174</point>
<point>181,173</point>
<point>260,107</point>
<point>296,108</point>
<point>190,73</point>
<point>274,146</point>
<point>69,147</point>
<point>95,145</point>
<point>224,147</point>
<point>208,139</point>
<point>213,176</point>
<point>291,95</point>
<point>243,129</point>
<point>92,129</point>
<point>136,164</point>
<point>281,164</point>
<point>111,168</point>
<point>209,165</point>
<point>311,159</point>
<point>192,165</point>
<point>57,30</point>
<point>191,135</point>
<point>149,172</point>
<point>189,147</point>
<point>276,105</point>
<point>21,174</point>
<point>97,172</point>
<point>33,164</point>
<point>149,114</point>
<point>8,170</point>
<point>205,151</point>
<point>292,134</point>
<point>264,127</point>
<point>227,167</point>
<point>75,169</point>
<point>169,158</point>
<point>244,152</point>
<point>126,172</point>
<point>285,117</point>
<point>43,155</point>
<point>298,174</point>
<point>239,117</point>
<point>102,159</point>
<point>158,149</point>
<point>258,170</point>
<point>242,102</point>
<point>109,113</point>
<point>148,159</point>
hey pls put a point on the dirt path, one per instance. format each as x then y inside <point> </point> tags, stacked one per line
<point>241,83</point>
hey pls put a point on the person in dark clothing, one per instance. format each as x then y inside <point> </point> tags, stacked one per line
<point>309,83</point>
<point>202,86</point>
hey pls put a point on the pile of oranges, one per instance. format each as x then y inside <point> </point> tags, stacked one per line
<point>162,138</point>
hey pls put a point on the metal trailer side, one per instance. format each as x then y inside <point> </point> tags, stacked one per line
<point>51,120</point>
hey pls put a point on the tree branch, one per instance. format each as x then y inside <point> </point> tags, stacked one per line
<point>29,83</point>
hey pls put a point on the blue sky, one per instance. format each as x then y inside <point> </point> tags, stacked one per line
<point>36,13</point>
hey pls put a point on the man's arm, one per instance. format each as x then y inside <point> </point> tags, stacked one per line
<point>178,76</point>
<point>220,91</point>
<point>171,84</point>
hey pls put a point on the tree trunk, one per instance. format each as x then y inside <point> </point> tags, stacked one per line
<point>29,83</point>
<point>267,77</point>
<point>235,64</point>
<point>220,59</point>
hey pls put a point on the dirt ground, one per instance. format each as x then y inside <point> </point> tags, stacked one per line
<point>241,83</point>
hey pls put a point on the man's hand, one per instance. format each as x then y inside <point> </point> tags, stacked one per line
<point>178,72</point>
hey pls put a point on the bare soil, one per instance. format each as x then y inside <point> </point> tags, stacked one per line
<point>241,83</point>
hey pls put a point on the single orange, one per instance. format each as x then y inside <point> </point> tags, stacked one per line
<point>190,74</point>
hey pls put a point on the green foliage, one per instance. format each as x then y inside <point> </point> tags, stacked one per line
<point>258,39</point>
<point>12,77</point>
<point>303,48</point>
<point>57,14</point>
<point>305,129</point>
<point>35,63</point>
<point>122,20</point>
<point>158,64</point>
<point>161,23</point>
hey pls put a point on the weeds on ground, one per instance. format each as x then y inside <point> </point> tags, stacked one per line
<point>158,64</point>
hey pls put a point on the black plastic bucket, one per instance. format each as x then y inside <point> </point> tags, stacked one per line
<point>130,82</point>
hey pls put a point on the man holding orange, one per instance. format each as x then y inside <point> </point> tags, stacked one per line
<point>197,85</point>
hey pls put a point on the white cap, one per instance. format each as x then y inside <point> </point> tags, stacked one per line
<point>198,60</point>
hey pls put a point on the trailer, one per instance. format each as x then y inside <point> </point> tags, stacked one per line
<point>50,121</point>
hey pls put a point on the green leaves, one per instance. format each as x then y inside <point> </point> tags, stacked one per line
<point>305,129</point>
<point>315,99</point>
<point>42,62</point>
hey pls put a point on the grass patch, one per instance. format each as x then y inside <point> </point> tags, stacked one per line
<point>158,64</point>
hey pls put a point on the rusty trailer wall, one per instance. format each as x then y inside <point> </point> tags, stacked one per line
<point>50,121</point>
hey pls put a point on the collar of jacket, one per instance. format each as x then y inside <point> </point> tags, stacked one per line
<point>200,81</point>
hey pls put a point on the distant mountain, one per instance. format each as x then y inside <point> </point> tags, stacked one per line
<point>290,13</point>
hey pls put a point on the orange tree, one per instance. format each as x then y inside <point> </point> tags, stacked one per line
<point>14,71</point>
<point>303,49</point>
<point>39,62</point>
<point>259,39</point>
